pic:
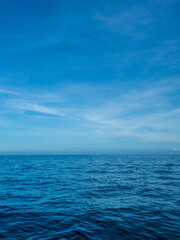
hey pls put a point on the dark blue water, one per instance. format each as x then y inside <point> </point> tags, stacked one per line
<point>89,197</point>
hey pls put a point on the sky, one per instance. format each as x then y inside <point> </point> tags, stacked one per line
<point>99,76</point>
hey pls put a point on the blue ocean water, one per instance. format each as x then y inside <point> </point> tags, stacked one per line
<point>89,197</point>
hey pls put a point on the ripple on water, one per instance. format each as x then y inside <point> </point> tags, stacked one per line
<point>89,197</point>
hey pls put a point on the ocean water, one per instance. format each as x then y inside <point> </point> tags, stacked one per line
<point>90,197</point>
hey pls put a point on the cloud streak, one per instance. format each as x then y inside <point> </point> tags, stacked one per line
<point>130,22</point>
<point>147,113</point>
<point>5,91</point>
<point>37,108</point>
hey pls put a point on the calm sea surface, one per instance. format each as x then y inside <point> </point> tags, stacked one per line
<point>90,197</point>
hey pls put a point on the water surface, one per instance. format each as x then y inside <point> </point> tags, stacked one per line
<point>89,197</point>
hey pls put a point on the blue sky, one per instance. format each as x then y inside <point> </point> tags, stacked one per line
<point>89,76</point>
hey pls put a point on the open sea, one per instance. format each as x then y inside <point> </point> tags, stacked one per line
<point>90,197</point>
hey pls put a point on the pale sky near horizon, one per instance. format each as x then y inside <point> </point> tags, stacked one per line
<point>89,76</point>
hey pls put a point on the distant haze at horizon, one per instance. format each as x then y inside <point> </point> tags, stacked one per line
<point>89,77</point>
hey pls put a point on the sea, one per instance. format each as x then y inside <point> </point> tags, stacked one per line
<point>90,197</point>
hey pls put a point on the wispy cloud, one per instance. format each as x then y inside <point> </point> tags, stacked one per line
<point>146,113</point>
<point>5,91</point>
<point>25,106</point>
<point>130,22</point>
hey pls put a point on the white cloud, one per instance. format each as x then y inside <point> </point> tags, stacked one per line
<point>6,91</point>
<point>34,108</point>
<point>127,22</point>
<point>146,113</point>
